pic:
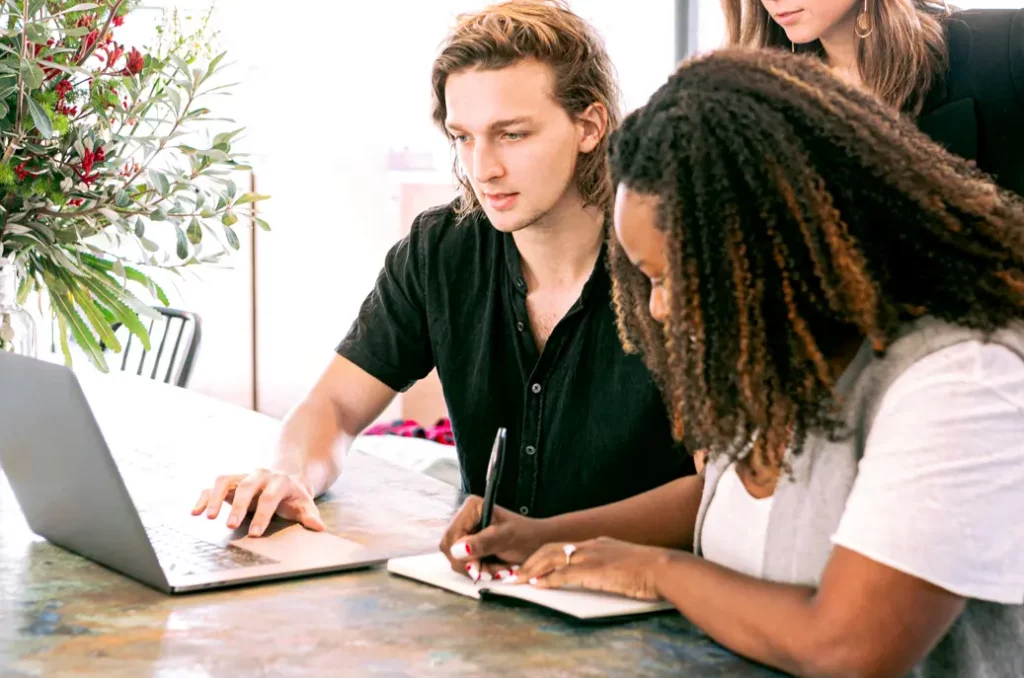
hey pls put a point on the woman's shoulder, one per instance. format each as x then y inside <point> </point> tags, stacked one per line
<point>979,36</point>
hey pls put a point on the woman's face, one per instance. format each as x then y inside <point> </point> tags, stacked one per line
<point>808,20</point>
<point>636,216</point>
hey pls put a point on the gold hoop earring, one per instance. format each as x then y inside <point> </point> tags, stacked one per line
<point>863,26</point>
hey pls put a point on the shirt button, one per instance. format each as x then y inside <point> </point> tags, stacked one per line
<point>535,388</point>
<point>530,449</point>
<point>524,510</point>
<point>520,326</point>
<point>520,282</point>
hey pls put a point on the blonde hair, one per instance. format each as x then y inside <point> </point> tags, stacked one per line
<point>546,30</point>
<point>899,60</point>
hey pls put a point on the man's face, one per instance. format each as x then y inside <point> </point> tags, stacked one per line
<point>516,145</point>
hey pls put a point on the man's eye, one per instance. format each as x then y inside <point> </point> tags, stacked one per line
<point>461,138</point>
<point>515,136</point>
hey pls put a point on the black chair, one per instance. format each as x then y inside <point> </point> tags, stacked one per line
<point>181,329</point>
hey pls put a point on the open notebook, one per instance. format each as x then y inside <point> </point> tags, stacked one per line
<point>434,569</point>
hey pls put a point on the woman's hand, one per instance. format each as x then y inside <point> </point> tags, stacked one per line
<point>600,564</point>
<point>507,541</point>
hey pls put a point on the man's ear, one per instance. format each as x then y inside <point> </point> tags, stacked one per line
<point>593,126</point>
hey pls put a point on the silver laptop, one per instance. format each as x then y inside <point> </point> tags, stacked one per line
<point>73,493</point>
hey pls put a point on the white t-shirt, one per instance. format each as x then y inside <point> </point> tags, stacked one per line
<point>939,493</point>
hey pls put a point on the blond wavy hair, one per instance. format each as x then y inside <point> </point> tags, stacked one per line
<point>546,30</point>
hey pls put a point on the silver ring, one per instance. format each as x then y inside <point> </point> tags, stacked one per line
<point>569,549</point>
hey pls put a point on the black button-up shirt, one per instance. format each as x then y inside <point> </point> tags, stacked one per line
<point>586,424</point>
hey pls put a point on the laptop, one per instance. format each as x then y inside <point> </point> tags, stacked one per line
<point>73,493</point>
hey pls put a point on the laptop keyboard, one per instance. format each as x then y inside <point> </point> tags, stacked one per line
<point>182,553</point>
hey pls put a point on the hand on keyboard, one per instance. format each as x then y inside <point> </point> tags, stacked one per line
<point>264,491</point>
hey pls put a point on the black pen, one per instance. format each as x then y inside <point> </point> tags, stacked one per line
<point>493,478</point>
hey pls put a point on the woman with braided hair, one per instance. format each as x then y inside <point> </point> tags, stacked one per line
<point>829,303</point>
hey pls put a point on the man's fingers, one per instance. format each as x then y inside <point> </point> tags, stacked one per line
<point>221,487</point>
<point>201,504</point>
<point>246,491</point>
<point>311,518</point>
<point>266,506</point>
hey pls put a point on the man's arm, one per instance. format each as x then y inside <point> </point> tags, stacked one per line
<point>318,431</point>
<point>315,436</point>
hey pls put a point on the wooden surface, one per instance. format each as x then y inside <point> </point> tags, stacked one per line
<point>61,615</point>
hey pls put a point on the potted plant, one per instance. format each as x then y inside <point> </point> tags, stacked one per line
<point>96,156</point>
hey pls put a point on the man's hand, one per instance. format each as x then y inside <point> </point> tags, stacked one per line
<point>265,491</point>
<point>508,540</point>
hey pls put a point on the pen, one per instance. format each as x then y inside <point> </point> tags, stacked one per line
<point>493,478</point>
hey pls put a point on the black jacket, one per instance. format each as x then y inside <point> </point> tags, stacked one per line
<point>977,109</point>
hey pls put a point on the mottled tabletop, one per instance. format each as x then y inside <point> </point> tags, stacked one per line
<point>62,615</point>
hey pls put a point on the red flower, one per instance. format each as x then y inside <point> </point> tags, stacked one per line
<point>133,63</point>
<point>89,40</point>
<point>22,172</point>
<point>63,89</point>
<point>118,21</point>
<point>76,202</point>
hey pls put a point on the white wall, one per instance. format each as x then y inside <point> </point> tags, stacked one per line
<point>325,99</point>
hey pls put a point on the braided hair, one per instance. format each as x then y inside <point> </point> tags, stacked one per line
<point>796,209</point>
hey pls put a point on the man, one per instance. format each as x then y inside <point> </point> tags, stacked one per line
<point>505,291</point>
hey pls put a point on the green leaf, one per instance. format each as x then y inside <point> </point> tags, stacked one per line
<point>226,137</point>
<point>31,75</point>
<point>149,245</point>
<point>232,189</point>
<point>110,297</point>
<point>213,154</point>
<point>195,232</point>
<point>62,330</point>
<point>140,228</point>
<point>132,274</point>
<point>160,181</point>
<point>229,218</point>
<point>262,224</point>
<point>251,197</point>
<point>122,200</point>
<point>118,269</point>
<point>4,109</point>
<point>37,34</point>
<point>232,238</point>
<point>182,249</point>
<point>79,330</point>
<point>213,64</point>
<point>158,215</point>
<point>94,316</point>
<point>39,117</point>
<point>76,32</point>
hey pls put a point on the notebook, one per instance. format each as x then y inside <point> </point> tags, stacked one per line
<point>435,570</point>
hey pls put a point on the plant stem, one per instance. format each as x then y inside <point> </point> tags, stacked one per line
<point>9,151</point>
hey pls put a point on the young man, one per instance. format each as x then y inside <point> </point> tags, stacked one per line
<point>505,291</point>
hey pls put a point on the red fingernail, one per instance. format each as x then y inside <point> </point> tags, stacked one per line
<point>469,549</point>
<point>497,575</point>
<point>468,567</point>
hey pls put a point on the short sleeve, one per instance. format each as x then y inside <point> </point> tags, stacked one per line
<point>939,492</point>
<point>390,338</point>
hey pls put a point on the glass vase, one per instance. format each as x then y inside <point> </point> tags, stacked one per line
<point>17,326</point>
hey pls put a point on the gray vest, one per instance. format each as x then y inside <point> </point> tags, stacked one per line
<point>987,641</point>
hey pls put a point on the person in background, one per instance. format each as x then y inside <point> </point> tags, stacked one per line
<point>505,291</point>
<point>832,306</point>
<point>960,75</point>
